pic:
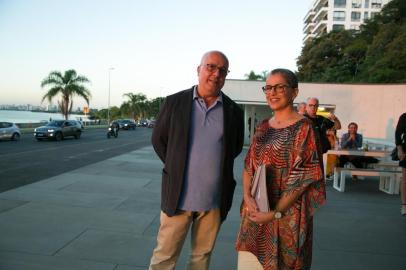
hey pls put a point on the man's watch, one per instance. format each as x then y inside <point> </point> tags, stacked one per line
<point>277,215</point>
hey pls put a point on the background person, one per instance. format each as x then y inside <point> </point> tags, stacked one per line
<point>400,141</point>
<point>321,124</point>
<point>301,108</point>
<point>353,140</point>
<point>115,127</point>
<point>286,144</point>
<point>198,134</point>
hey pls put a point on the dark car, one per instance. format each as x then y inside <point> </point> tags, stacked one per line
<point>126,123</point>
<point>143,123</point>
<point>58,130</point>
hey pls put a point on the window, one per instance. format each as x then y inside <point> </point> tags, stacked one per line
<point>376,3</point>
<point>337,27</point>
<point>339,16</point>
<point>366,15</point>
<point>340,3</point>
<point>356,3</point>
<point>354,27</point>
<point>355,16</point>
<point>366,4</point>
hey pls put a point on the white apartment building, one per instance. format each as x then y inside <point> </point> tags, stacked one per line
<point>327,15</point>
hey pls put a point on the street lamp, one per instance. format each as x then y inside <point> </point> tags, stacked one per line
<point>108,105</point>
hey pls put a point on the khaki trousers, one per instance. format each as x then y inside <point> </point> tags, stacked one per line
<point>248,261</point>
<point>172,234</point>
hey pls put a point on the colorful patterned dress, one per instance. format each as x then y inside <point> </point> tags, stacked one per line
<point>293,163</point>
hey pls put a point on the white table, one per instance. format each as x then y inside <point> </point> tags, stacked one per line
<point>339,173</point>
<point>350,152</point>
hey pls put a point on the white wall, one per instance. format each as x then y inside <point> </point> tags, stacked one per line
<point>375,107</point>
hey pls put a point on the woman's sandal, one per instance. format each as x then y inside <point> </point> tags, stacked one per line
<point>403,209</point>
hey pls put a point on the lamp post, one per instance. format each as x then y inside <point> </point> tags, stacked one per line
<point>108,105</point>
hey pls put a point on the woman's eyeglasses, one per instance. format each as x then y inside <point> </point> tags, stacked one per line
<point>278,88</point>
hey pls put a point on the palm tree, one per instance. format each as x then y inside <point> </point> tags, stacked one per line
<point>136,104</point>
<point>67,85</point>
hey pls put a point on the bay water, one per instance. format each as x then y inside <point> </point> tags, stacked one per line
<point>20,117</point>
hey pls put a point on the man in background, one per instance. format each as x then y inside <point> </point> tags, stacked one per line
<point>321,124</point>
<point>301,108</point>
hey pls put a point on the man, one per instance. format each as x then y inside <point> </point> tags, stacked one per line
<point>321,124</point>
<point>115,127</point>
<point>301,108</point>
<point>198,134</point>
<point>353,140</point>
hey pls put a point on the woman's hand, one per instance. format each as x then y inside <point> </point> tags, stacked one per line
<point>249,204</point>
<point>261,217</point>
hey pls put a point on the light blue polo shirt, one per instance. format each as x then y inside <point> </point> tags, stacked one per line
<point>201,187</point>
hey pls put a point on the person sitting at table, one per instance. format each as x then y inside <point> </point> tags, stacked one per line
<point>353,140</point>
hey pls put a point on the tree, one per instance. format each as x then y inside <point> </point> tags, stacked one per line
<point>252,76</point>
<point>136,106</point>
<point>66,86</point>
<point>324,59</point>
<point>375,54</point>
<point>154,106</point>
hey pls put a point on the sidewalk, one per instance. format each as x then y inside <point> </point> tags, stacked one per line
<point>106,215</point>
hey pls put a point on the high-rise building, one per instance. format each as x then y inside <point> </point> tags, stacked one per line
<point>327,15</point>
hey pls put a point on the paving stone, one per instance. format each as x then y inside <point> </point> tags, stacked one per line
<point>111,247</point>
<point>22,261</point>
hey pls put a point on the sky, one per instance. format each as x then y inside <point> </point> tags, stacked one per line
<point>154,46</point>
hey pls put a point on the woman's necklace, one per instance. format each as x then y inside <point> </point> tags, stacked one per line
<point>279,122</point>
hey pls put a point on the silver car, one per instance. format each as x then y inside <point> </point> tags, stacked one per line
<point>58,130</point>
<point>9,131</point>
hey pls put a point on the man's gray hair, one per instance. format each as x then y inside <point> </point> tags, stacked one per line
<point>210,52</point>
<point>310,98</point>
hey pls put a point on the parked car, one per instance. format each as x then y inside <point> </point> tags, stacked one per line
<point>9,131</point>
<point>143,123</point>
<point>58,130</point>
<point>126,124</point>
<point>151,124</point>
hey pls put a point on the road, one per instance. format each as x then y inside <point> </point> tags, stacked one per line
<point>28,161</point>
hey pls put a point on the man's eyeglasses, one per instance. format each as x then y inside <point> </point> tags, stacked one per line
<point>278,88</point>
<point>213,68</point>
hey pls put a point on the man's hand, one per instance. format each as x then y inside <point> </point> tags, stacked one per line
<point>331,116</point>
<point>352,137</point>
<point>401,153</point>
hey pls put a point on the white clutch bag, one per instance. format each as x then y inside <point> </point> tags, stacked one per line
<point>259,190</point>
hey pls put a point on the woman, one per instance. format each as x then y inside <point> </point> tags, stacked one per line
<point>286,144</point>
<point>400,140</point>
